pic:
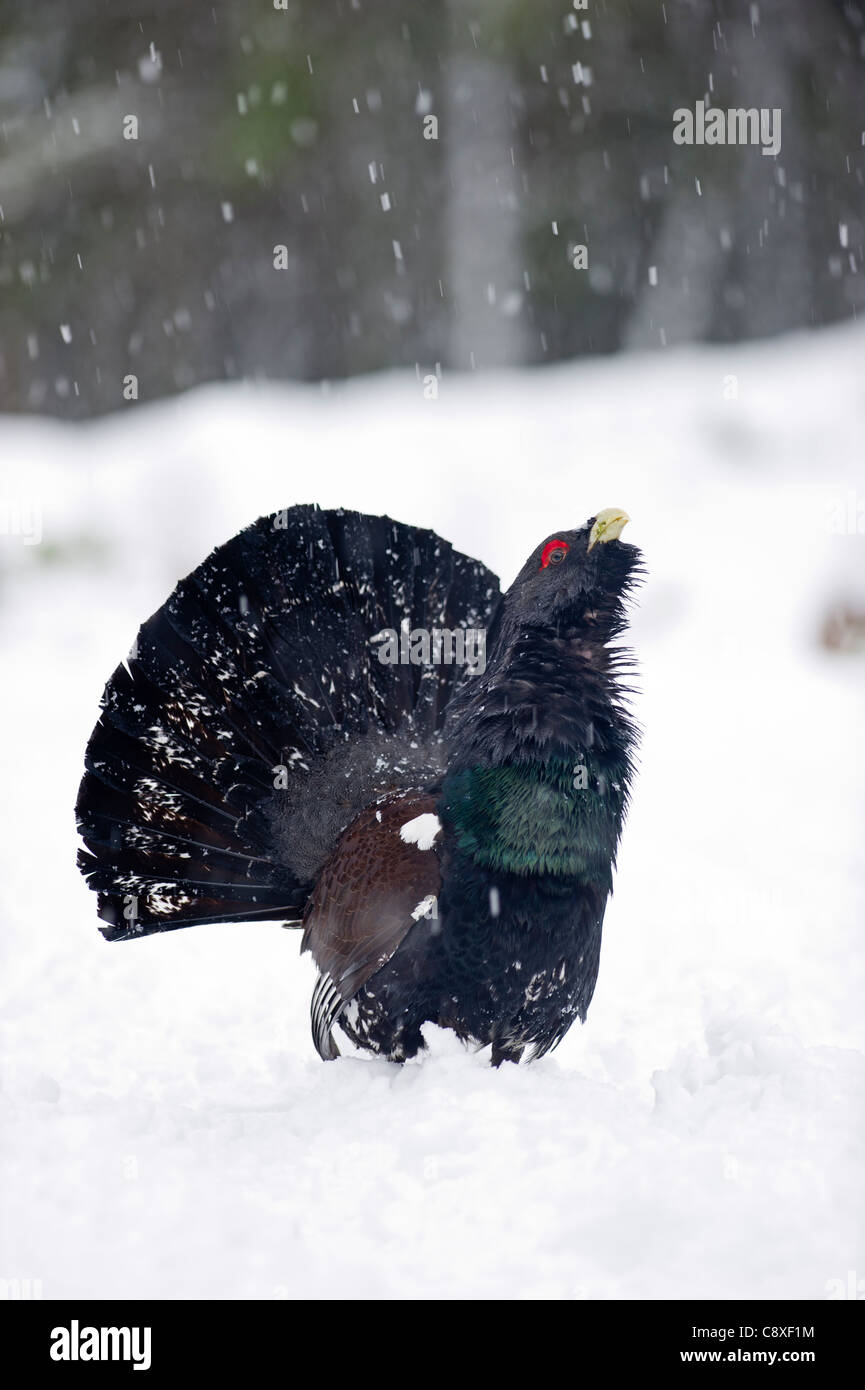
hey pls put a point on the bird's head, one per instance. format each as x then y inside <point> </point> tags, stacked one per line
<point>551,681</point>
<point>578,580</point>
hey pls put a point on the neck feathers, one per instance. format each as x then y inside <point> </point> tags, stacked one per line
<point>547,693</point>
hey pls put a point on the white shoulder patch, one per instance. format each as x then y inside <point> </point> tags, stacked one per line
<point>421,831</point>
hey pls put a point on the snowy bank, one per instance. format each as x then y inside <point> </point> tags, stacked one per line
<point>168,1129</point>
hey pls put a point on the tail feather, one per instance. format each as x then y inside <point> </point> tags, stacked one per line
<point>325,1008</point>
<point>253,719</point>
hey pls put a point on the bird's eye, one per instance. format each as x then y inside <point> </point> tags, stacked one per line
<point>554,553</point>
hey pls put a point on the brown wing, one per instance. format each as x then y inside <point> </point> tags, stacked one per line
<point>366,898</point>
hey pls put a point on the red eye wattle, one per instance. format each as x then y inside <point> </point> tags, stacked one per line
<point>553,553</point>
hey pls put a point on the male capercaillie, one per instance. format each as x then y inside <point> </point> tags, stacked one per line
<point>445,836</point>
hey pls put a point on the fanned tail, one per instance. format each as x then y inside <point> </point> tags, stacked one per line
<point>253,718</point>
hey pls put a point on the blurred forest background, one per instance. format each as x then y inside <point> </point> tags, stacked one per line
<point>148,247</point>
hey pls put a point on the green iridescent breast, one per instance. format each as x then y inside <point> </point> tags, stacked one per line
<point>561,817</point>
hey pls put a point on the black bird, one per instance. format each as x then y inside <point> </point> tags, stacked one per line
<point>340,720</point>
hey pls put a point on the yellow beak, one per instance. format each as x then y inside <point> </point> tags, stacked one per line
<point>609,525</point>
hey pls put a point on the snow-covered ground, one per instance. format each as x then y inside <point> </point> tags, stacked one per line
<point>167,1129</point>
